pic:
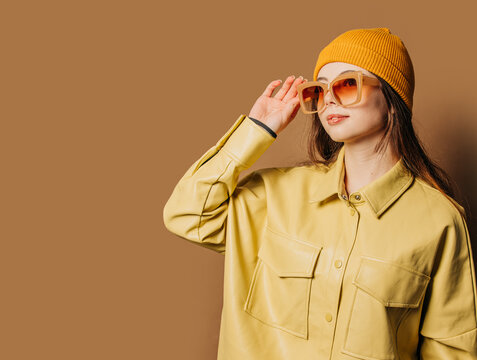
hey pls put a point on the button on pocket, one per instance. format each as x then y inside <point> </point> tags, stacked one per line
<point>384,293</point>
<point>279,292</point>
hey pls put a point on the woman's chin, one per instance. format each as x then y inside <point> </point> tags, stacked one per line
<point>341,136</point>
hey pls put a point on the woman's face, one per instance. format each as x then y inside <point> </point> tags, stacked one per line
<point>365,120</point>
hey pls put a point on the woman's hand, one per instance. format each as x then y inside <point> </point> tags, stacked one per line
<point>278,111</point>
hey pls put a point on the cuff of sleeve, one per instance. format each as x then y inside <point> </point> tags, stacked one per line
<point>258,122</point>
<point>245,142</point>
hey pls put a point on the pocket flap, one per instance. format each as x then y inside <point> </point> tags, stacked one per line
<point>288,257</point>
<point>392,284</point>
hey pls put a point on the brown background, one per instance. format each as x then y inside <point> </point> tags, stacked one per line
<point>105,104</point>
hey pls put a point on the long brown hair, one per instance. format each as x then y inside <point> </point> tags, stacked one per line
<point>399,133</point>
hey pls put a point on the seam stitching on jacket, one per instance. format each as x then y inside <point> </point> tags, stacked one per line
<point>455,336</point>
<point>235,158</point>
<point>446,231</point>
<point>471,269</point>
<point>398,194</point>
<point>206,198</point>
<point>289,237</point>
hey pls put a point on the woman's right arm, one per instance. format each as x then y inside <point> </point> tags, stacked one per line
<point>197,210</point>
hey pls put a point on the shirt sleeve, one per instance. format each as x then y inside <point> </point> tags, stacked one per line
<point>197,209</point>
<point>449,321</point>
<point>258,122</point>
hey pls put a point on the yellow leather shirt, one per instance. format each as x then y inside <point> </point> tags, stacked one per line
<point>312,273</point>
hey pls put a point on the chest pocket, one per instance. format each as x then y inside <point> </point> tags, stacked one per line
<point>384,293</point>
<point>279,291</point>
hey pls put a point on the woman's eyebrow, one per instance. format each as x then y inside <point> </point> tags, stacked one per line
<point>323,78</point>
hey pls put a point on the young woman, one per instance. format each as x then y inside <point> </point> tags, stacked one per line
<point>360,254</point>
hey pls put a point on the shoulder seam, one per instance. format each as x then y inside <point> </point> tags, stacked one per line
<point>448,202</point>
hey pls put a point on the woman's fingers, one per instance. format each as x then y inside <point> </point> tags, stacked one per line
<point>292,92</point>
<point>286,86</point>
<point>295,111</point>
<point>288,89</point>
<point>272,86</point>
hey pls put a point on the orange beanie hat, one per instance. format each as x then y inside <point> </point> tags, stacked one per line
<point>376,50</point>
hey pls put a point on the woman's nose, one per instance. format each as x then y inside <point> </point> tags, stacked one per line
<point>328,98</point>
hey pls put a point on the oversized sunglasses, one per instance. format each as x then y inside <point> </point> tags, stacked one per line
<point>345,91</point>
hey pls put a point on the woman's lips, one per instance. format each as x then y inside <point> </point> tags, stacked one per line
<point>336,119</point>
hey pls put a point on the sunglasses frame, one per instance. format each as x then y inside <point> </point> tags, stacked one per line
<point>360,80</point>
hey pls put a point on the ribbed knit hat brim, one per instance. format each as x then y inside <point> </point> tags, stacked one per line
<point>376,50</point>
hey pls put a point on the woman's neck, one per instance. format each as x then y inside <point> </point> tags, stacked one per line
<point>363,165</point>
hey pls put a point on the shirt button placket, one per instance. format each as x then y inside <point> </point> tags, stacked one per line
<point>354,198</point>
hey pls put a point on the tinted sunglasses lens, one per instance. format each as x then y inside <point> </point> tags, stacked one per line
<point>346,90</point>
<point>312,98</point>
